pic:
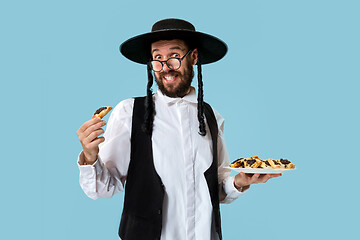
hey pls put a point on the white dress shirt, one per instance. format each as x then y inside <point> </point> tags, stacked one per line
<point>181,156</point>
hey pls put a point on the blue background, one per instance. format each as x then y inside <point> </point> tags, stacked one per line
<point>288,87</point>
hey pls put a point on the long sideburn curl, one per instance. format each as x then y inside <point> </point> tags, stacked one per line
<point>149,104</point>
<point>202,130</point>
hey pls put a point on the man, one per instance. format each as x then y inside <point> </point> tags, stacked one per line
<point>168,147</point>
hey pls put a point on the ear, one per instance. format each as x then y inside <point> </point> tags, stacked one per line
<point>194,56</point>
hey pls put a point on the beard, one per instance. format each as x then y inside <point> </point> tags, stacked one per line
<point>184,85</point>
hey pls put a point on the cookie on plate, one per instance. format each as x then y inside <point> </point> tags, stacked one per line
<point>238,163</point>
<point>284,163</point>
<point>252,162</point>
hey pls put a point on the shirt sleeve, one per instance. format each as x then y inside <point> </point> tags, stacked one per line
<point>227,191</point>
<point>107,175</point>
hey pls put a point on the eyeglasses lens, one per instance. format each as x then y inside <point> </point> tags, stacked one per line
<point>156,66</point>
<point>172,63</point>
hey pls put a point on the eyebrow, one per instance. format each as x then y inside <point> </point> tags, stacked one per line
<point>172,48</point>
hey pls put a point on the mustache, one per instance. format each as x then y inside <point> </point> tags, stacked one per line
<point>170,72</point>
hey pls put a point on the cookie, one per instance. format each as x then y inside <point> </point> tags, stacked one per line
<point>238,163</point>
<point>265,164</point>
<point>284,163</point>
<point>101,112</point>
<point>252,162</point>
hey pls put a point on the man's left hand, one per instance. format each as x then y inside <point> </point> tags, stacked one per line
<point>242,181</point>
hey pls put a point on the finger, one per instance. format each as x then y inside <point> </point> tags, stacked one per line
<point>93,135</point>
<point>84,135</point>
<point>92,128</point>
<point>95,143</point>
<point>274,175</point>
<point>255,176</point>
<point>264,178</point>
<point>87,124</point>
<point>92,149</point>
<point>249,175</point>
<point>268,176</point>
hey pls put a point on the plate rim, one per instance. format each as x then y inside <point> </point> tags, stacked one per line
<point>273,170</point>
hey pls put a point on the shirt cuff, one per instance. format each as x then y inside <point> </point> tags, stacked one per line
<point>231,192</point>
<point>89,171</point>
<point>88,179</point>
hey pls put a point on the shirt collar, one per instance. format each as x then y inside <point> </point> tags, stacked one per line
<point>190,97</point>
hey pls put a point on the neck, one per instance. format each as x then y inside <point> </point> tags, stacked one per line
<point>187,92</point>
<point>176,96</point>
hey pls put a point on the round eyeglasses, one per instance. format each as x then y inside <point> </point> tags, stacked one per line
<point>172,63</point>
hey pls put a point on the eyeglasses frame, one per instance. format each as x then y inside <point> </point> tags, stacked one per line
<point>166,61</point>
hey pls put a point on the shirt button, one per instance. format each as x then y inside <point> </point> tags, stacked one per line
<point>159,211</point>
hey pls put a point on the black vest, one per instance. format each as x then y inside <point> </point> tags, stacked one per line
<point>144,192</point>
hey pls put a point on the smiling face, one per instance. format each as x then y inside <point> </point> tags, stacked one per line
<point>174,83</point>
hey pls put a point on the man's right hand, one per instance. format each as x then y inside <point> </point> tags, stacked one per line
<point>89,138</point>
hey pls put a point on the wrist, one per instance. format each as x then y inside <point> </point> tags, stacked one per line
<point>89,162</point>
<point>85,160</point>
<point>241,188</point>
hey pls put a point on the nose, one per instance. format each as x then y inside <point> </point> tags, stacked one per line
<point>165,67</point>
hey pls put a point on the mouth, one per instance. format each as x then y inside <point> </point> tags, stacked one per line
<point>169,78</point>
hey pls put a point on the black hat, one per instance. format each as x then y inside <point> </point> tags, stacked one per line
<point>210,48</point>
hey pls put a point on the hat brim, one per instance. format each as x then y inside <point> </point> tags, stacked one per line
<point>210,48</point>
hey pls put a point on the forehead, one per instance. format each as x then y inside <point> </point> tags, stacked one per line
<point>163,45</point>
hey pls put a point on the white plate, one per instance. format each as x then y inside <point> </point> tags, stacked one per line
<point>260,170</point>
